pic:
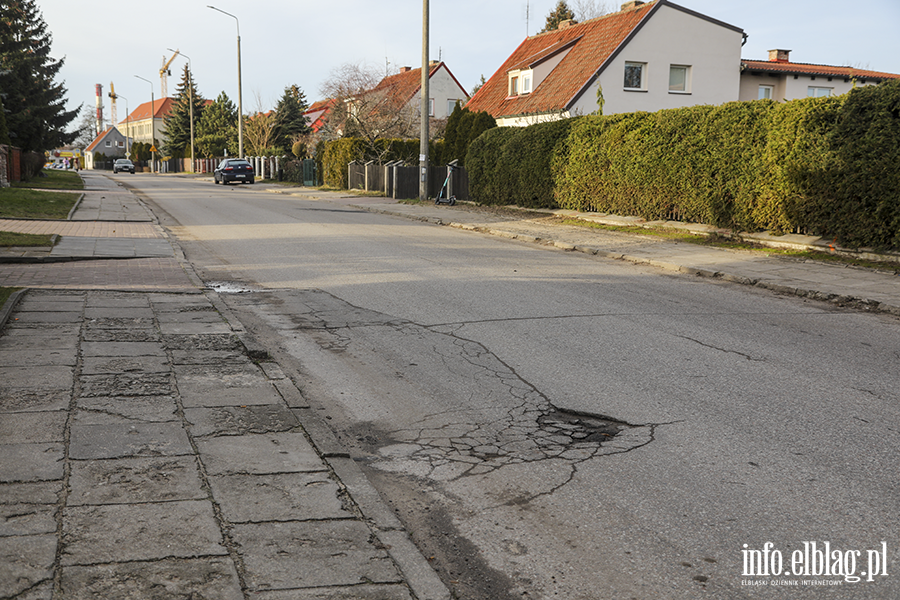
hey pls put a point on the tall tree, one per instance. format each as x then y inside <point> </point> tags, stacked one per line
<point>561,13</point>
<point>217,130</point>
<point>35,104</point>
<point>178,121</point>
<point>290,121</point>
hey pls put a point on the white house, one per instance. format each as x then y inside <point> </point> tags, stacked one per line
<point>444,91</point>
<point>648,56</point>
<point>111,143</point>
<point>780,79</point>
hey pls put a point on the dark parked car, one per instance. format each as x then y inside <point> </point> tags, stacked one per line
<point>234,169</point>
<point>123,164</point>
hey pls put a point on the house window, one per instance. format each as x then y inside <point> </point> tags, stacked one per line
<point>679,79</point>
<point>818,92</point>
<point>513,86</point>
<point>431,107</point>
<point>766,92</point>
<point>635,76</point>
<point>451,105</point>
<point>108,144</point>
<point>526,83</point>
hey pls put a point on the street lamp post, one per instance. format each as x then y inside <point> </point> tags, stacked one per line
<point>191,100</point>
<point>152,133</point>
<point>240,106</point>
<point>423,131</point>
<point>127,122</point>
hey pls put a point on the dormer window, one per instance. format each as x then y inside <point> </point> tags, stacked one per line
<point>514,85</point>
<point>527,77</point>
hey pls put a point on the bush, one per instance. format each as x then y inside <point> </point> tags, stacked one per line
<point>32,163</point>
<point>486,182</point>
<point>525,164</point>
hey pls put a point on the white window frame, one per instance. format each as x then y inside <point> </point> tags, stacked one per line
<point>108,143</point>
<point>643,76</point>
<point>527,77</point>
<point>766,92</point>
<point>813,91</point>
<point>431,107</point>
<point>686,69</point>
<point>451,105</point>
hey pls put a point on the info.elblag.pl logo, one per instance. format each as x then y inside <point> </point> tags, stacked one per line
<point>816,560</point>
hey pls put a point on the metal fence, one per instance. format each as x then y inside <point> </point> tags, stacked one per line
<point>401,181</point>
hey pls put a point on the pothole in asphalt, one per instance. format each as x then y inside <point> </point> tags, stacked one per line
<point>577,427</point>
<point>230,287</point>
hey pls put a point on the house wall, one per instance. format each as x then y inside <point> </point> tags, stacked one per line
<point>671,37</point>
<point>791,87</point>
<point>442,88</point>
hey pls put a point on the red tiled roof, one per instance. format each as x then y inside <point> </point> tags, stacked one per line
<point>592,43</point>
<point>98,139</point>
<point>403,86</point>
<point>161,106</point>
<point>318,113</point>
<point>789,68</point>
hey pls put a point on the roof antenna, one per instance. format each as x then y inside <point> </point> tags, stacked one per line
<point>527,18</point>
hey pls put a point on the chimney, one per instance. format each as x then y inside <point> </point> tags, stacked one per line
<point>566,24</point>
<point>779,56</point>
<point>632,4</point>
<point>405,69</point>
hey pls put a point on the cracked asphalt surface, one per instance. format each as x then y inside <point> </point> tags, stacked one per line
<point>549,424</point>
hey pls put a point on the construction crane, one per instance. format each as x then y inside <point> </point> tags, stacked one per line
<point>112,102</point>
<point>164,73</point>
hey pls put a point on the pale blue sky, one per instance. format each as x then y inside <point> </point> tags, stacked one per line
<point>295,41</point>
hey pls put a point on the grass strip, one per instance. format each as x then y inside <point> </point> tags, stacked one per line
<point>55,180</point>
<point>10,238</point>
<point>19,203</point>
<point>5,293</point>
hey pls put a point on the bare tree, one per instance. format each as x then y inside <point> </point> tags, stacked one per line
<point>589,9</point>
<point>86,131</point>
<point>368,106</point>
<point>260,130</point>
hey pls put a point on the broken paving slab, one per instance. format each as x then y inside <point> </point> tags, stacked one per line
<point>355,592</point>
<point>32,462</point>
<point>210,357</point>
<point>261,454</point>
<point>33,427</point>
<point>201,342</point>
<point>240,420</point>
<point>213,578</point>
<point>122,349</point>
<point>128,532</point>
<point>102,410</point>
<point>100,365</point>
<point>280,497</point>
<point>127,384</point>
<point>119,440</point>
<point>33,400</point>
<point>141,334</point>
<point>128,313</point>
<point>134,480</point>
<point>25,562</point>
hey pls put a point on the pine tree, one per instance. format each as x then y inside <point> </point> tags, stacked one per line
<point>217,131</point>
<point>35,104</point>
<point>561,13</point>
<point>178,122</point>
<point>289,118</point>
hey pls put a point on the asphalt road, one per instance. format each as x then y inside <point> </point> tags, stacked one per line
<point>554,425</point>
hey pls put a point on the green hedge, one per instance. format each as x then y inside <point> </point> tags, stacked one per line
<point>826,166</point>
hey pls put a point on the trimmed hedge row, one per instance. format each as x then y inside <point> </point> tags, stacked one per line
<point>828,166</point>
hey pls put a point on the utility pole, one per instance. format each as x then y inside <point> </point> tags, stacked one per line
<point>423,131</point>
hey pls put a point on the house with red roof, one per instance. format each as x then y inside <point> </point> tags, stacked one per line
<point>647,56</point>
<point>444,91</point>
<point>111,143</point>
<point>780,79</point>
<point>138,124</point>
<point>317,114</point>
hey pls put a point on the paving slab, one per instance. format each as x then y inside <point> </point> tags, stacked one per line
<point>127,384</point>
<point>311,554</point>
<point>41,356</point>
<point>27,519</point>
<point>196,578</point>
<point>135,481</point>
<point>26,561</point>
<point>106,534</point>
<point>261,454</point>
<point>103,410</point>
<point>356,592</point>
<point>118,440</point>
<point>18,400</point>
<point>240,420</point>
<point>122,349</point>
<point>45,378</point>
<point>32,462</point>
<point>280,497</point>
<point>224,385</point>
<point>136,364</point>
<point>41,492</point>
<point>33,427</point>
